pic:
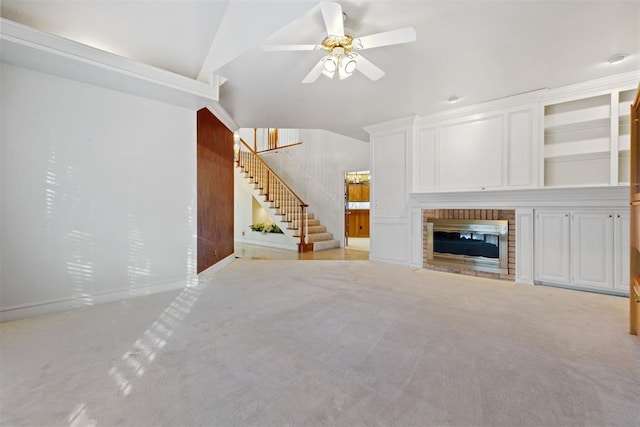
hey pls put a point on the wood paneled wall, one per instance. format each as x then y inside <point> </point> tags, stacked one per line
<point>215,190</point>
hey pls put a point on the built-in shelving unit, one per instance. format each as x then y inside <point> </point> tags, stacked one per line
<point>626,98</point>
<point>586,139</point>
<point>577,142</point>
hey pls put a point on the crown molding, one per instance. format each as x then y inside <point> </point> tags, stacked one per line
<point>222,115</point>
<point>473,111</point>
<point>391,125</point>
<point>25,47</point>
<point>623,81</point>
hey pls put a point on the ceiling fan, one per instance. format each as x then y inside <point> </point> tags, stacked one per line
<point>342,50</point>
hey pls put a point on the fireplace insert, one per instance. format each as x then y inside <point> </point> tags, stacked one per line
<point>473,244</point>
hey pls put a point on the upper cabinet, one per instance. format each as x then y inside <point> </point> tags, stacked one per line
<point>586,139</point>
<point>573,136</point>
<point>487,151</point>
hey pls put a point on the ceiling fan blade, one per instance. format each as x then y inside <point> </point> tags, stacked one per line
<point>332,15</point>
<point>290,47</point>
<point>367,68</point>
<point>403,35</point>
<point>315,72</point>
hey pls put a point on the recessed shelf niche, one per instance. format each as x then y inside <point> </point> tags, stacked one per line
<point>586,140</point>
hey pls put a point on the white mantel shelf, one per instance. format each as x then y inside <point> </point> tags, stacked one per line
<point>573,197</point>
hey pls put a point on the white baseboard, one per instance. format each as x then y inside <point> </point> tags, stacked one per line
<point>39,308</point>
<point>209,272</point>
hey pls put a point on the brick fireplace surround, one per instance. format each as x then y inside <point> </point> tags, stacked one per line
<point>490,214</point>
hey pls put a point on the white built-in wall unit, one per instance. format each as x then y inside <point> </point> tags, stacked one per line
<point>559,157</point>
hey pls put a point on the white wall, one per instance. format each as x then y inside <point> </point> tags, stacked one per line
<point>315,171</point>
<point>98,194</point>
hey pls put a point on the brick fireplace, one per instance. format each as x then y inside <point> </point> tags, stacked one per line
<point>508,215</point>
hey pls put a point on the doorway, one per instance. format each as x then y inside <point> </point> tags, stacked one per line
<point>356,209</point>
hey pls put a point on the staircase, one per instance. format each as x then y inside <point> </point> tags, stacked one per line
<point>287,209</point>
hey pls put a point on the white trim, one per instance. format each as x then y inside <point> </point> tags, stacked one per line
<point>40,308</point>
<point>604,196</point>
<point>592,88</point>
<point>26,47</point>
<point>212,270</point>
<point>390,126</point>
<point>222,115</point>
<point>479,110</point>
<point>525,249</point>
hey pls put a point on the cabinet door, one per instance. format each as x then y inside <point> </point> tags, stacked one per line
<point>621,244</point>
<point>592,249</point>
<point>552,247</point>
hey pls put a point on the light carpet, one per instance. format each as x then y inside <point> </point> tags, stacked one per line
<point>272,343</point>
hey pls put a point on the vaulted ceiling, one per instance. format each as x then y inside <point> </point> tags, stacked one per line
<point>476,50</point>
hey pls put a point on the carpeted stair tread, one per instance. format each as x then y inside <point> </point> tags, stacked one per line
<point>326,244</point>
<point>318,237</point>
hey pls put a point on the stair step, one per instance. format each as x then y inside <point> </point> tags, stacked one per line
<point>326,244</point>
<point>318,237</point>
<point>316,229</point>
<point>290,216</point>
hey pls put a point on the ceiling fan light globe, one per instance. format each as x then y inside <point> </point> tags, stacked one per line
<point>331,65</point>
<point>350,66</point>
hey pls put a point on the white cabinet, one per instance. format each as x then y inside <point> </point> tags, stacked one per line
<point>585,249</point>
<point>552,247</point>
<point>592,249</point>
<point>621,246</point>
<point>491,150</point>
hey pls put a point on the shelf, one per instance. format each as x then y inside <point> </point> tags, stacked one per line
<point>578,111</point>
<point>626,98</point>
<point>599,145</point>
<point>585,170</point>
<point>624,143</point>
<point>602,125</point>
<point>624,167</point>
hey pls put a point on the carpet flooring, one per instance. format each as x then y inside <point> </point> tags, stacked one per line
<point>348,343</point>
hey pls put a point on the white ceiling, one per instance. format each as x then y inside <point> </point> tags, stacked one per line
<point>478,50</point>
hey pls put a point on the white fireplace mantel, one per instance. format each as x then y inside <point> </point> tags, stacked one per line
<point>580,197</point>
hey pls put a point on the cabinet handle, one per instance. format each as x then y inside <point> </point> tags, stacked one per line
<point>610,216</point>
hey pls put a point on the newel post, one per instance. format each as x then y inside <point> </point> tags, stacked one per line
<point>303,246</point>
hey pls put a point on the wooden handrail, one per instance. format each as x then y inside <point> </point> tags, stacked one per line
<point>279,148</point>
<point>302,204</point>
